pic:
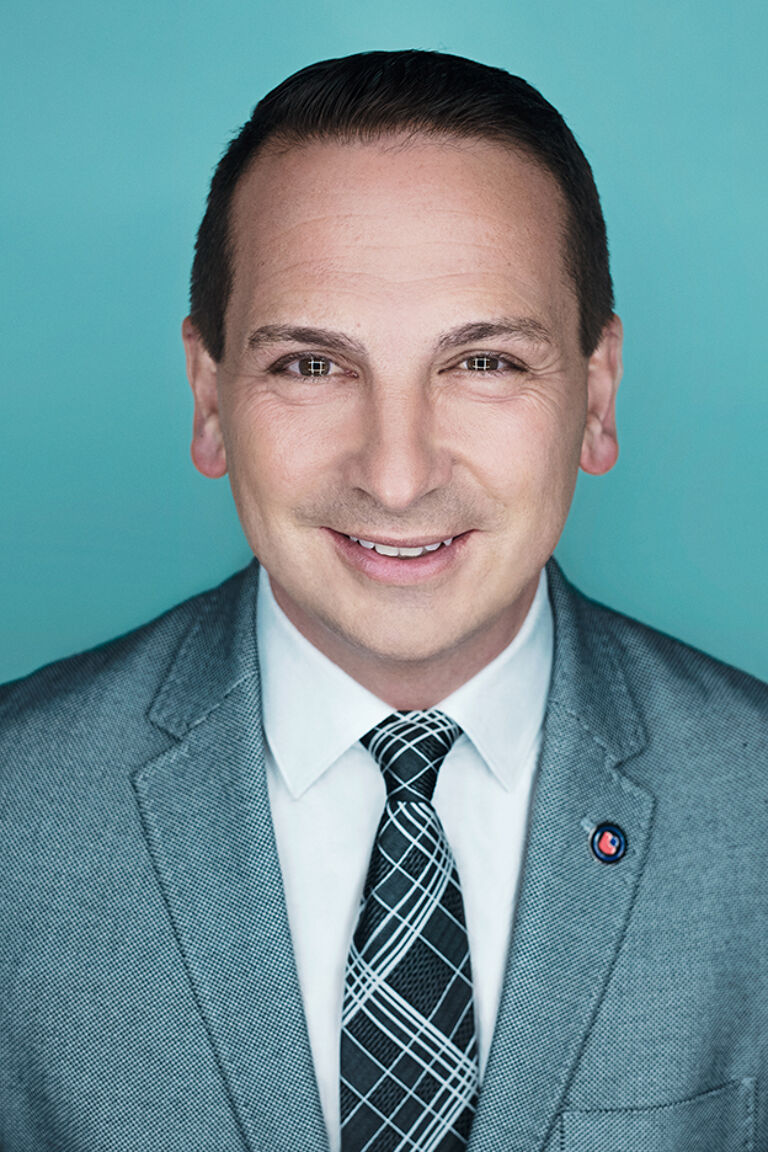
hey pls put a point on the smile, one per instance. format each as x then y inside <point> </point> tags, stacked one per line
<point>405,563</point>
<point>392,550</point>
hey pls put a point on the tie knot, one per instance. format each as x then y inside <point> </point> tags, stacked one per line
<point>409,747</point>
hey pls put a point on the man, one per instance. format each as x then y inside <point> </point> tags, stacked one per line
<point>394,840</point>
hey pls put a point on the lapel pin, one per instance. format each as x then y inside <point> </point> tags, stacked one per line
<point>608,843</point>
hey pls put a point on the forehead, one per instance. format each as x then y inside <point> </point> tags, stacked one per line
<point>402,220</point>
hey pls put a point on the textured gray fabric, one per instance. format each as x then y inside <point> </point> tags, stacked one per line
<point>148,994</point>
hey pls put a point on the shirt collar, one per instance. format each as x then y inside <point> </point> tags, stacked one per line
<point>500,709</point>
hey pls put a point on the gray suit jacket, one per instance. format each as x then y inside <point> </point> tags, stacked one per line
<point>148,994</point>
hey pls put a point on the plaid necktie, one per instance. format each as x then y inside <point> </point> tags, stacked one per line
<point>409,1074</point>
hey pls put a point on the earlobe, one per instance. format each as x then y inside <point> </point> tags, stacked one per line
<point>207,448</point>
<point>600,447</point>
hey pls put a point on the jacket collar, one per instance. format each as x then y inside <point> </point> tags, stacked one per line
<point>588,680</point>
<point>217,653</point>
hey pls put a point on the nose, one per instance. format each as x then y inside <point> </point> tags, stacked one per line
<point>399,457</point>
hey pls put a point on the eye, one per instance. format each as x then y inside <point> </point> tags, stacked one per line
<point>486,363</point>
<point>313,364</point>
<point>310,365</point>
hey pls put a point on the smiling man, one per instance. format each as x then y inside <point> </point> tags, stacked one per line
<point>402,366</point>
<point>394,840</point>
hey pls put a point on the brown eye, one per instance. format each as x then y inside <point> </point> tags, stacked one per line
<point>313,366</point>
<point>483,363</point>
<point>310,366</point>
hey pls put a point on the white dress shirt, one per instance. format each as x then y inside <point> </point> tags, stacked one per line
<point>327,796</point>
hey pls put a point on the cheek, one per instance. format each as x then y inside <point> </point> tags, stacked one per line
<point>530,454</point>
<point>273,450</point>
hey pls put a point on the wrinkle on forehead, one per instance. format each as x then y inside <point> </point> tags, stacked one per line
<point>332,220</point>
<point>341,186</point>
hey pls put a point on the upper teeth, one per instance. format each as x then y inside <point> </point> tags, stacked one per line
<point>388,550</point>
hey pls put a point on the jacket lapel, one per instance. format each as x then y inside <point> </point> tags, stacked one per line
<point>205,813</point>
<point>572,910</point>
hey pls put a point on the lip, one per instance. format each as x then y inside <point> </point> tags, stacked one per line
<point>398,570</point>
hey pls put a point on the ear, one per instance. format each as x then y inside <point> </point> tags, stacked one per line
<point>207,448</point>
<point>599,446</point>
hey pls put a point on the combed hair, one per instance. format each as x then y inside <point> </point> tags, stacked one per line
<point>370,95</point>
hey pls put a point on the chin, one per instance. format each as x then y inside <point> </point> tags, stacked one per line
<point>403,644</point>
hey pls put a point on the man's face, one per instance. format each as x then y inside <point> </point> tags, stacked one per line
<point>443,394</point>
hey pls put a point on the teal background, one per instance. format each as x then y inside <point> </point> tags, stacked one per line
<point>113,118</point>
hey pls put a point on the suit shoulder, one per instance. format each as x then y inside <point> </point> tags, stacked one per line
<point>116,678</point>
<point>676,679</point>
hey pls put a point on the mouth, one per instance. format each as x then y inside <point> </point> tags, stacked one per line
<point>403,548</point>
<point>400,562</point>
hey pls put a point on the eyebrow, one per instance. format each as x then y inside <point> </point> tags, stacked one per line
<point>515,326</point>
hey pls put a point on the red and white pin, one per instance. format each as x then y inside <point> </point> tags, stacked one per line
<point>608,843</point>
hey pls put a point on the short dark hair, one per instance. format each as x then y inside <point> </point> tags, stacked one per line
<point>369,95</point>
